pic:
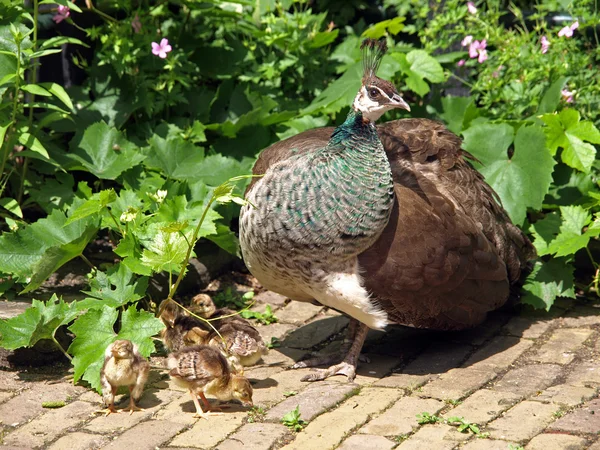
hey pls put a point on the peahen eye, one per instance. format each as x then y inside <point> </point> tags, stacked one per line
<point>373,93</point>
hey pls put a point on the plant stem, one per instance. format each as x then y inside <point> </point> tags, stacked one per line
<point>87,261</point>
<point>173,288</point>
<point>32,101</point>
<point>15,105</point>
<point>115,221</point>
<point>61,348</point>
<point>100,13</point>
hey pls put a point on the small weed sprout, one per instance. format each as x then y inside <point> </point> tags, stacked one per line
<point>293,421</point>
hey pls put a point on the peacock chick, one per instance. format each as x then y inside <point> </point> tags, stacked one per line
<point>237,339</point>
<point>180,329</point>
<point>203,370</point>
<point>123,366</point>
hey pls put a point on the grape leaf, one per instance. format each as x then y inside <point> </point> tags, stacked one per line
<point>567,131</point>
<point>545,231</point>
<point>20,251</point>
<point>105,152</point>
<point>94,205</point>
<point>54,258</point>
<point>522,180</point>
<point>548,280</point>
<point>166,252</point>
<point>39,321</point>
<point>114,288</point>
<point>176,157</point>
<point>94,331</point>
<point>380,29</point>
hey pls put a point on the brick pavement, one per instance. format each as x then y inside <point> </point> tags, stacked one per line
<point>527,381</point>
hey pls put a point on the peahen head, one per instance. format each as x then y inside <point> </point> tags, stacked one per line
<point>376,96</point>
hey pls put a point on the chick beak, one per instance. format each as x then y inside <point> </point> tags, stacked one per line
<point>248,404</point>
<point>398,102</point>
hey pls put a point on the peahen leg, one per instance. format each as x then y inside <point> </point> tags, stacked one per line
<point>348,365</point>
<point>335,358</point>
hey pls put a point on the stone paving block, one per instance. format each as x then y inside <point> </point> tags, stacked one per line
<point>440,437</point>
<point>10,381</point>
<point>297,313</point>
<point>585,374</point>
<point>180,410</point>
<point>327,430</point>
<point>12,308</point>
<point>582,316</point>
<point>498,354</point>
<point>564,394</point>
<point>315,332</point>
<point>527,380</point>
<point>28,403</point>
<point>79,441</point>
<point>282,357</point>
<point>478,335</point>
<point>269,390</point>
<point>595,445</point>
<point>562,345</point>
<point>527,327</point>
<point>556,441</point>
<point>404,380</point>
<point>256,436</point>
<point>151,401</point>
<point>208,433</point>
<point>275,330</point>
<point>147,435</point>
<point>522,422</point>
<point>487,444</point>
<point>366,442</point>
<point>483,406</point>
<point>456,383</point>
<point>401,418</point>
<point>313,400</point>
<point>270,298</point>
<point>5,395</point>
<point>373,371</point>
<point>50,425</point>
<point>584,420</point>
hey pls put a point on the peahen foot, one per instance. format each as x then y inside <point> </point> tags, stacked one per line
<point>348,365</point>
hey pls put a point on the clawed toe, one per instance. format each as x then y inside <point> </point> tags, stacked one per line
<point>317,361</point>
<point>343,368</point>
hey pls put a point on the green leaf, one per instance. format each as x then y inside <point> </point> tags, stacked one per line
<point>114,288</point>
<point>380,29</point>
<point>105,152</point>
<point>552,96</point>
<point>36,90</point>
<point>59,92</point>
<point>545,231</point>
<point>94,331</point>
<point>455,109</point>
<point>570,239</point>
<point>176,157</point>
<point>10,204</point>
<point>55,257</point>
<point>425,66</point>
<point>33,143</point>
<point>548,280</point>
<point>92,206</point>
<point>521,181</point>
<point>166,252</point>
<point>578,154</point>
<point>21,250</point>
<point>39,321</point>
<point>58,41</point>
<point>323,38</point>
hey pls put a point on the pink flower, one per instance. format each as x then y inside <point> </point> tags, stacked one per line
<point>471,7</point>
<point>567,95</point>
<point>461,63</point>
<point>568,30</point>
<point>161,49</point>
<point>545,44</point>
<point>477,50</point>
<point>466,41</point>
<point>136,24</point>
<point>62,13</point>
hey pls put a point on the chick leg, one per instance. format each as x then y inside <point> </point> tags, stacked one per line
<point>111,403</point>
<point>132,407</point>
<point>199,410</point>
<point>348,365</point>
<point>208,409</point>
<point>336,357</point>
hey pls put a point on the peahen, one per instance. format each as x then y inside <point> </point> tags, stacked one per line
<point>389,225</point>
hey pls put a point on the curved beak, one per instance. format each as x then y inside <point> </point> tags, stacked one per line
<point>398,102</point>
